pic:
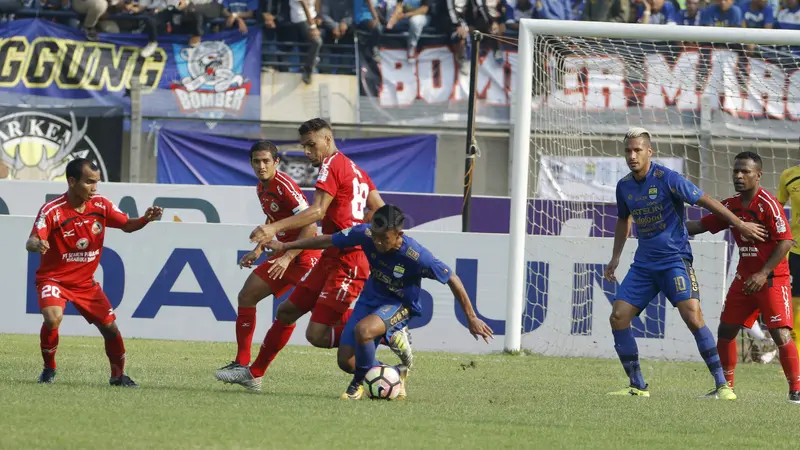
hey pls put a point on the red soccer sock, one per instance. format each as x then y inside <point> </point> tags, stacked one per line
<point>727,357</point>
<point>277,337</point>
<point>115,350</point>
<point>337,330</point>
<point>245,327</point>
<point>48,341</point>
<point>791,364</point>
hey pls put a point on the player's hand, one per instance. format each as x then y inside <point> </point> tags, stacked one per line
<point>610,269</point>
<point>478,328</point>
<point>153,213</point>
<point>262,234</point>
<point>279,266</point>
<point>753,231</point>
<point>755,282</point>
<point>43,246</point>
<point>275,245</point>
<point>249,258</point>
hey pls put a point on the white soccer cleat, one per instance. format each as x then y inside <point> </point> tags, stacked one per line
<point>240,376</point>
<point>400,343</point>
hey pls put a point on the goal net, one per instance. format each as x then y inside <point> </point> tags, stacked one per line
<point>705,94</point>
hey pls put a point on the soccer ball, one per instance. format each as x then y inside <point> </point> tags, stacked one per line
<point>382,383</point>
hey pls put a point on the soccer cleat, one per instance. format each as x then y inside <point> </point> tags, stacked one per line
<point>723,392</point>
<point>240,376</point>
<point>231,366</point>
<point>400,343</point>
<point>48,376</point>
<point>123,381</point>
<point>632,391</point>
<point>353,392</point>
<point>403,370</point>
<point>794,397</point>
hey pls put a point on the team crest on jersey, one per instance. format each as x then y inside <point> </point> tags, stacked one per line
<point>658,173</point>
<point>82,243</point>
<point>368,232</point>
<point>97,228</point>
<point>630,197</point>
<point>274,207</point>
<point>398,271</point>
<point>652,193</point>
<point>413,254</point>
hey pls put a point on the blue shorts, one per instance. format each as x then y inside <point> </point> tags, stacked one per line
<point>395,316</point>
<point>677,281</point>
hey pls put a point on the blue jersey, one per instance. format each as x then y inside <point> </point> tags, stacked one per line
<point>394,276</point>
<point>758,19</point>
<point>715,17</point>
<point>657,206</point>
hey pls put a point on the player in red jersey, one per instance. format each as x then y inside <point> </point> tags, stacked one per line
<point>343,192</point>
<point>280,198</point>
<point>762,277</point>
<point>69,233</point>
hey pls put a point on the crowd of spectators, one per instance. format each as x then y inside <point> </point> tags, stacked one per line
<point>315,25</point>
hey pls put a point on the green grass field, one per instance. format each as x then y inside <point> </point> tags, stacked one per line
<point>455,401</point>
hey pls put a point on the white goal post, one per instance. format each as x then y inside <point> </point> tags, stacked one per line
<point>532,59</point>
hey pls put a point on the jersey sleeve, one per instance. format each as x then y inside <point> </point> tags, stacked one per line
<point>622,208</point>
<point>713,224</point>
<point>42,226</point>
<point>783,188</point>
<point>683,188</point>
<point>327,179</point>
<point>432,268</point>
<point>293,197</point>
<point>115,218</point>
<point>351,237</point>
<point>776,223</point>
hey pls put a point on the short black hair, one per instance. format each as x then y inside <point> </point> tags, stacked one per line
<point>314,125</point>
<point>264,146</point>
<point>75,167</point>
<point>752,156</point>
<point>388,217</point>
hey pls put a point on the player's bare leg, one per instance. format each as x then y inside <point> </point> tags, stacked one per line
<point>706,344</point>
<point>115,350</point>
<point>622,313</point>
<point>254,290</point>
<point>368,333</point>
<point>278,335</point>
<point>789,360</point>
<point>48,338</point>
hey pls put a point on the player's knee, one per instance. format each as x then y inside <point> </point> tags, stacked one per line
<point>108,330</point>
<point>691,314</point>
<point>364,332</point>
<point>727,331</point>
<point>619,320</point>
<point>318,337</point>
<point>781,336</point>
<point>288,313</point>
<point>52,317</point>
<point>247,299</point>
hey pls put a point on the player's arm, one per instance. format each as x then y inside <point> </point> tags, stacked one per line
<point>307,232</point>
<point>351,237</point>
<point>695,227</point>
<point>749,230</point>
<point>308,216</point>
<point>476,326</point>
<point>756,281</point>
<point>621,232</point>
<point>783,188</point>
<point>37,241</point>
<point>115,218</point>
<point>37,244</point>
<point>374,201</point>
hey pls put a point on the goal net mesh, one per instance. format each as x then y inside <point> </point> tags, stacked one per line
<point>703,104</point>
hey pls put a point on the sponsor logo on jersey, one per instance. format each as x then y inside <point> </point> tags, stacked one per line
<point>413,254</point>
<point>652,193</point>
<point>97,228</point>
<point>82,243</point>
<point>780,225</point>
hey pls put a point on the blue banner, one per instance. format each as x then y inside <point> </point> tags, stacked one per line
<point>44,63</point>
<point>397,164</point>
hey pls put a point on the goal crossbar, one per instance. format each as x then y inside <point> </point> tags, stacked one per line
<point>521,120</point>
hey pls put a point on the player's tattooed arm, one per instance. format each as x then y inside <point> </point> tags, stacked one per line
<point>695,227</point>
<point>318,242</point>
<point>477,327</point>
<point>623,229</point>
<point>311,215</point>
<point>748,230</point>
<point>35,244</point>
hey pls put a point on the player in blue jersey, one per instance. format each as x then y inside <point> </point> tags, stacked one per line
<point>390,298</point>
<point>653,196</point>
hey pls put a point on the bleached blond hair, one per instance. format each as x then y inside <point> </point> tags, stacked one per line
<point>636,132</point>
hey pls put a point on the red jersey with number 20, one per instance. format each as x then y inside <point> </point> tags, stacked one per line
<point>765,210</point>
<point>282,198</point>
<point>349,186</point>
<point>75,238</point>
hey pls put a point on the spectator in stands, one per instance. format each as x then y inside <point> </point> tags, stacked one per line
<point>304,28</point>
<point>552,9</point>
<point>92,10</point>
<point>36,6</point>
<point>577,8</point>
<point>722,14</point>
<point>450,18</point>
<point>488,17</point>
<point>143,21</point>
<point>789,17</point>
<point>757,14</point>
<point>516,10</point>
<point>337,20</point>
<point>196,15</point>
<point>410,16</point>
<point>370,18</point>
<point>656,12</point>
<point>607,10</point>
<point>692,15</point>
<point>236,12</point>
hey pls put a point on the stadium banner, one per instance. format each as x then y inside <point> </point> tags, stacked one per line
<point>607,84</point>
<point>180,281</point>
<point>46,64</point>
<point>396,164</point>
<point>37,144</point>
<point>587,178</point>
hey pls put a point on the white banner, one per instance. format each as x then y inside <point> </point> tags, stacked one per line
<point>587,178</point>
<point>180,281</point>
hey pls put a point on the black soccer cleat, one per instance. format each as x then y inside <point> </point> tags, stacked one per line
<point>794,396</point>
<point>123,381</point>
<point>48,376</point>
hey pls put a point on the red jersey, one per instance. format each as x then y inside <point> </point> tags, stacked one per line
<point>75,238</point>
<point>280,199</point>
<point>349,186</point>
<point>765,210</point>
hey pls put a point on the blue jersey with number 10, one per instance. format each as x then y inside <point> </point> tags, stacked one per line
<point>657,206</point>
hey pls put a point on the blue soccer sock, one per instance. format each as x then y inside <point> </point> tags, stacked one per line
<point>628,352</point>
<point>365,360</point>
<point>708,350</point>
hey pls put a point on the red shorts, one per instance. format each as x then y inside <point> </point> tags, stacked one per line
<point>298,268</point>
<point>773,302</point>
<point>331,286</point>
<point>89,300</point>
